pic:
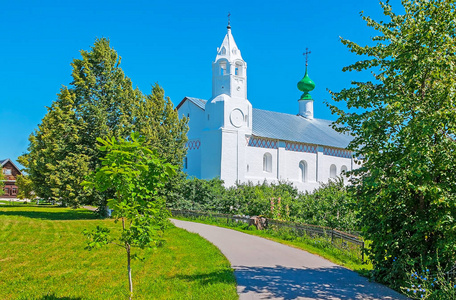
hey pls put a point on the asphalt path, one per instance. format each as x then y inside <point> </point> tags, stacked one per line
<point>268,270</point>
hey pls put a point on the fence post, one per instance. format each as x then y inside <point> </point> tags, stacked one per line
<point>332,236</point>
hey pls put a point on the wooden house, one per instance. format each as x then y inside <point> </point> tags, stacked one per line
<point>10,172</point>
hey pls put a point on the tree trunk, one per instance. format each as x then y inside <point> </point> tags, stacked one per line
<point>130,282</point>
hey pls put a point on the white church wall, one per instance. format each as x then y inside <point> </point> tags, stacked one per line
<point>192,162</point>
<point>214,115</point>
<point>229,164</point>
<point>196,118</point>
<point>291,166</point>
<point>211,153</point>
<point>254,160</point>
<point>326,162</point>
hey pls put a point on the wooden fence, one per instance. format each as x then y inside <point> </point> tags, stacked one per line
<point>339,239</point>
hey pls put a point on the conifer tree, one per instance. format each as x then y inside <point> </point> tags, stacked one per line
<point>103,104</point>
<point>405,129</point>
<point>55,151</point>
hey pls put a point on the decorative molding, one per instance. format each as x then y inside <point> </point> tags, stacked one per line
<point>337,152</point>
<point>193,144</point>
<point>299,147</point>
<point>262,143</point>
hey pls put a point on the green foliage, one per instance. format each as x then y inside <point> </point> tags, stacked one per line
<point>25,187</point>
<point>134,174</point>
<point>101,101</point>
<point>199,194</point>
<point>2,183</point>
<point>330,205</point>
<point>404,127</point>
<point>423,284</point>
<point>55,151</point>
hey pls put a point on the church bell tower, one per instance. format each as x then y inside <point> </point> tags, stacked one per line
<point>229,70</point>
<point>228,116</point>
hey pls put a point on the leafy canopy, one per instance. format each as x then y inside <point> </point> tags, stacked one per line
<point>404,129</point>
<point>100,101</point>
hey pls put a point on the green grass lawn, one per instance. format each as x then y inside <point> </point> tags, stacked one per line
<point>42,256</point>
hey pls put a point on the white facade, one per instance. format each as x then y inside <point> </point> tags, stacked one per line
<point>229,139</point>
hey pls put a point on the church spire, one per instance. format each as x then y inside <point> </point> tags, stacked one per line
<point>229,70</point>
<point>306,85</point>
<point>229,23</point>
<point>229,49</point>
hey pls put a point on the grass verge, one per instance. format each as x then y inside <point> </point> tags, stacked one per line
<point>318,246</point>
<point>42,256</point>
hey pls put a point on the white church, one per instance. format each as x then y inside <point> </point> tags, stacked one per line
<point>229,139</point>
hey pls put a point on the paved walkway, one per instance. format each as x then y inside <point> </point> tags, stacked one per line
<point>268,270</point>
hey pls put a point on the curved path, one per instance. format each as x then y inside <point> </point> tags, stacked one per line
<point>268,270</point>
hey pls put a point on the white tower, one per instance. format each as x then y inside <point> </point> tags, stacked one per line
<point>229,70</point>
<point>228,116</point>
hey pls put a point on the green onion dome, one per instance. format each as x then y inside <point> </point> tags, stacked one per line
<point>306,85</point>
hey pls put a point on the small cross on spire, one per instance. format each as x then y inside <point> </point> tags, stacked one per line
<point>229,23</point>
<point>307,56</point>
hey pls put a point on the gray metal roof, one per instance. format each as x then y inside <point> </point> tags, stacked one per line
<point>286,127</point>
<point>198,102</point>
<point>293,128</point>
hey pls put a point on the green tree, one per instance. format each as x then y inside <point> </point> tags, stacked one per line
<point>404,129</point>
<point>2,183</point>
<point>103,103</point>
<point>55,151</point>
<point>24,187</point>
<point>135,174</point>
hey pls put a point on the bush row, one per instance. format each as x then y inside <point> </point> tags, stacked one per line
<point>330,205</point>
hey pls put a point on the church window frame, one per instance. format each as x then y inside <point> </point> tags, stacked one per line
<point>267,162</point>
<point>343,169</point>
<point>238,68</point>
<point>223,67</point>
<point>303,171</point>
<point>333,171</point>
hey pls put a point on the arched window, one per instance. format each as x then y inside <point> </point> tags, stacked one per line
<point>223,68</point>
<point>333,171</point>
<point>239,68</point>
<point>303,171</point>
<point>267,162</point>
<point>223,51</point>
<point>343,169</point>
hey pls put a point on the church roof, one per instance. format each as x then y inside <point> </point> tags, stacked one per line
<point>293,128</point>
<point>198,102</point>
<point>281,126</point>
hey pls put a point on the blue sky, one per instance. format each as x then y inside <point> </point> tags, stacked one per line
<point>173,43</point>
